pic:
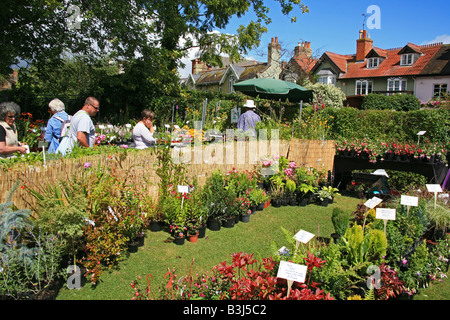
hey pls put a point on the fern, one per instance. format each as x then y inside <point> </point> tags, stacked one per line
<point>370,294</point>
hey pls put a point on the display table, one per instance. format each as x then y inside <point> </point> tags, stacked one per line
<point>343,166</point>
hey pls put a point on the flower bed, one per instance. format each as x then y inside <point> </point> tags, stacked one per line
<point>376,151</point>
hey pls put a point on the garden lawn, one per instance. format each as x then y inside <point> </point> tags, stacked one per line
<point>257,236</point>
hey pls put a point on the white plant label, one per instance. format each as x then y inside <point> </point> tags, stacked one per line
<point>409,201</point>
<point>385,214</point>
<point>183,189</point>
<point>372,203</point>
<point>292,271</point>
<point>303,236</point>
<point>434,188</point>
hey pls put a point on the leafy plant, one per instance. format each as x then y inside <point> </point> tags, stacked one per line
<point>340,220</point>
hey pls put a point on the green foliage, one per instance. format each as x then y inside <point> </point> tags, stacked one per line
<point>29,258</point>
<point>377,245</point>
<point>340,220</point>
<point>399,102</point>
<point>329,96</point>
<point>61,210</point>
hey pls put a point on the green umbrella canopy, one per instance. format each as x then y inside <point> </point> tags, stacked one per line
<point>274,89</point>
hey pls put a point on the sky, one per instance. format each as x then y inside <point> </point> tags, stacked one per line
<point>334,26</point>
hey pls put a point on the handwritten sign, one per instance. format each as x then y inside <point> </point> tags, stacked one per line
<point>434,188</point>
<point>372,203</point>
<point>409,201</point>
<point>292,271</point>
<point>303,236</point>
<point>385,214</point>
<point>183,189</point>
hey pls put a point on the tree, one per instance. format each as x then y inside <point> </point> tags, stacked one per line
<point>41,30</point>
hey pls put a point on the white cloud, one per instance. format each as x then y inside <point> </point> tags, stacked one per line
<point>444,38</point>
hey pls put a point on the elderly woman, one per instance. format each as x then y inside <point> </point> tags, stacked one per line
<point>53,130</point>
<point>9,143</point>
<point>143,130</point>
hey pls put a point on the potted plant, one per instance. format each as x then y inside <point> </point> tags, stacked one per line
<point>257,198</point>
<point>214,200</point>
<point>333,192</point>
<point>179,233</point>
<point>323,196</point>
<point>192,231</point>
<point>242,207</point>
<point>341,221</point>
<point>290,188</point>
<point>277,190</point>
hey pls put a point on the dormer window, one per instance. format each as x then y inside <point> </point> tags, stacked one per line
<point>407,59</point>
<point>373,63</point>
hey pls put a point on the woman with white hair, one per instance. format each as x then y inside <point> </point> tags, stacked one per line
<point>9,143</point>
<point>53,130</point>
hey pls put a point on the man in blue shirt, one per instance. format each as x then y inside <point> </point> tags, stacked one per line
<point>247,121</point>
<point>53,130</point>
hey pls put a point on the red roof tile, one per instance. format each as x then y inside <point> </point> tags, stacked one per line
<point>340,60</point>
<point>390,66</point>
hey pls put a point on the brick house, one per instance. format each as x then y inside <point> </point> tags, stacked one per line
<point>207,78</point>
<point>421,70</point>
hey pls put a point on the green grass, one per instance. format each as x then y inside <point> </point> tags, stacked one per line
<point>264,228</point>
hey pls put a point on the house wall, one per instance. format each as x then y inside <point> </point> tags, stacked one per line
<point>424,86</point>
<point>379,84</point>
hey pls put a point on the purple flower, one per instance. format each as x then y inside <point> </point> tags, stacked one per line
<point>87,165</point>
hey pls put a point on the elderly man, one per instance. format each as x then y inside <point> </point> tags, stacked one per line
<point>82,130</point>
<point>247,121</point>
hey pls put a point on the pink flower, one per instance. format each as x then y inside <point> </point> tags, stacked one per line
<point>87,165</point>
<point>292,165</point>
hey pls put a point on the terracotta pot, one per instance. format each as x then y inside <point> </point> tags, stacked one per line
<point>193,237</point>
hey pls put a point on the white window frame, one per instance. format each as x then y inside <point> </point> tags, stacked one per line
<point>407,59</point>
<point>231,81</point>
<point>397,84</point>
<point>373,63</point>
<point>442,89</point>
<point>327,80</point>
<point>366,87</point>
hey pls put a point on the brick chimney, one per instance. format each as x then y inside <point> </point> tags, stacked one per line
<point>199,66</point>
<point>274,53</point>
<point>363,45</point>
<point>303,50</point>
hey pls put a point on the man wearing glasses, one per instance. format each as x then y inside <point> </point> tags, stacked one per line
<point>82,128</point>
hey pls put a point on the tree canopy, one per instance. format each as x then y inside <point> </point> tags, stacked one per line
<point>41,31</point>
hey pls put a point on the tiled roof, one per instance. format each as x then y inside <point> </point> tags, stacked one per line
<point>305,63</point>
<point>390,66</point>
<point>340,60</point>
<point>440,63</point>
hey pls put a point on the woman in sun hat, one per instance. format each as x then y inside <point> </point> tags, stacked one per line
<point>247,121</point>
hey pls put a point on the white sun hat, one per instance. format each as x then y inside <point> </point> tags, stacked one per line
<point>250,104</point>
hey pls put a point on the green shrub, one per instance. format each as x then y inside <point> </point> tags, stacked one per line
<point>340,221</point>
<point>399,102</point>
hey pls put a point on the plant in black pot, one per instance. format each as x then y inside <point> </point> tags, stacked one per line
<point>306,185</point>
<point>323,196</point>
<point>256,197</point>
<point>214,200</point>
<point>341,221</point>
<point>290,192</point>
<point>277,190</point>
